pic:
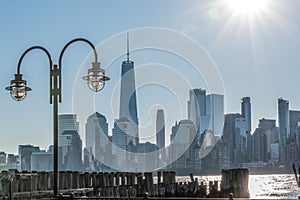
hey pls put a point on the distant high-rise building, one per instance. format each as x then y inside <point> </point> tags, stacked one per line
<point>13,162</point>
<point>259,146</point>
<point>206,112</point>
<point>183,132</point>
<point>215,111</point>
<point>71,147</point>
<point>284,127</point>
<point>2,160</point>
<point>291,148</point>
<point>284,120</point>
<point>160,129</point>
<point>267,124</point>
<point>42,161</point>
<point>96,134</point>
<point>67,122</point>
<point>88,160</point>
<point>123,136</point>
<point>294,123</point>
<point>196,106</point>
<point>147,161</point>
<point>235,138</point>
<point>274,152</point>
<point>182,138</point>
<point>128,104</point>
<point>25,152</point>
<point>246,112</point>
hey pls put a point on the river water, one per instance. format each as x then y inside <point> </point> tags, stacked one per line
<point>281,186</point>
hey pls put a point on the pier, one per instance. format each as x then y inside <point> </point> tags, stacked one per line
<point>121,185</point>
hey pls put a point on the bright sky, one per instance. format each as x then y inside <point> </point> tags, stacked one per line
<point>254,45</point>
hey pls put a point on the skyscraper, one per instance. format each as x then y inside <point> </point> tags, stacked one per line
<point>206,111</point>
<point>215,111</point>
<point>160,129</point>
<point>71,146</point>
<point>268,127</point>
<point>235,138</point>
<point>67,122</point>
<point>284,126</point>
<point>294,122</point>
<point>246,112</point>
<point>197,106</point>
<point>259,145</point>
<point>182,137</point>
<point>122,138</point>
<point>267,124</point>
<point>128,105</point>
<point>96,134</point>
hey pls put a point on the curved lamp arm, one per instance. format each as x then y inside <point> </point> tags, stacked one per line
<point>18,88</point>
<point>32,48</point>
<point>95,77</point>
<point>71,42</point>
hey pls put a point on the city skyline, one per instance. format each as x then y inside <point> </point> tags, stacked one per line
<point>249,67</point>
<point>268,146</point>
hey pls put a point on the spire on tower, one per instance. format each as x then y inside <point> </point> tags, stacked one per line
<point>127,47</point>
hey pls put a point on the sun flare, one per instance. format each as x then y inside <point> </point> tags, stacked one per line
<point>248,7</point>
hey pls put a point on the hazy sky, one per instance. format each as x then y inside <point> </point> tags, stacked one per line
<point>257,55</point>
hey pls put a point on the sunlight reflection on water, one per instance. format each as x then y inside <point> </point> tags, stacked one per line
<point>281,186</point>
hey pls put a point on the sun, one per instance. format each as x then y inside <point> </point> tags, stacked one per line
<point>248,7</point>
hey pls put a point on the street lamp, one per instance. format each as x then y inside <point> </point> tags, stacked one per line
<point>96,79</point>
<point>18,88</point>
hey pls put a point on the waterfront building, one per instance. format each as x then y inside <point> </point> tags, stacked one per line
<point>235,138</point>
<point>259,146</point>
<point>88,160</point>
<point>25,152</point>
<point>67,122</point>
<point>284,127</point>
<point>183,139</point>
<point>268,126</point>
<point>71,151</point>
<point>96,135</point>
<point>2,161</point>
<point>246,112</point>
<point>147,159</point>
<point>123,137</point>
<point>294,116</point>
<point>42,161</point>
<point>13,162</point>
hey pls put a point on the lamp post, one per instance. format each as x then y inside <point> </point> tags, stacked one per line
<point>95,79</point>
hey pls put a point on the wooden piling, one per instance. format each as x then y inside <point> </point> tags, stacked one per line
<point>235,181</point>
<point>158,178</point>
<point>117,178</point>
